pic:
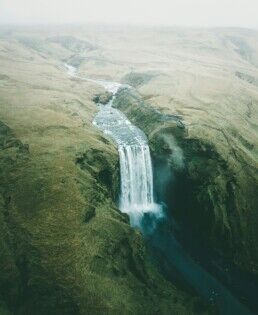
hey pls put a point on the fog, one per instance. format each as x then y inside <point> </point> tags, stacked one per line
<point>242,13</point>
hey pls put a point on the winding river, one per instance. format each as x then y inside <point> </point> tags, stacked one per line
<point>137,200</point>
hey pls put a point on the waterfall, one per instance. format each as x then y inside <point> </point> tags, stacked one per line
<point>137,194</point>
<point>136,174</point>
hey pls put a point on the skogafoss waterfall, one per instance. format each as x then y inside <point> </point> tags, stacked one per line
<point>136,176</point>
<point>137,194</point>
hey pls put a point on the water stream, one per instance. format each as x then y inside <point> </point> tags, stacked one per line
<point>137,200</point>
<point>137,193</point>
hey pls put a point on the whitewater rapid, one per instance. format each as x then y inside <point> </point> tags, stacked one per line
<point>136,173</point>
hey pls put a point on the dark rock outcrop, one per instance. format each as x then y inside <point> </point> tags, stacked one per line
<point>102,98</point>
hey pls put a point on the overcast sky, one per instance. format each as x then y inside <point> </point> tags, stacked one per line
<point>242,13</point>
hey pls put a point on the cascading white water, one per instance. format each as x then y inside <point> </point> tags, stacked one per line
<point>137,193</point>
<point>136,176</point>
<point>137,196</point>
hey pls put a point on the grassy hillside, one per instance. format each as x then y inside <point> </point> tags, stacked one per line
<point>64,246</point>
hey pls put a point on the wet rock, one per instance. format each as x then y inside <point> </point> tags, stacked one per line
<point>103,167</point>
<point>103,98</point>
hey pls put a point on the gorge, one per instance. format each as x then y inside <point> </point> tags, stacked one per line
<point>138,197</point>
<point>138,201</point>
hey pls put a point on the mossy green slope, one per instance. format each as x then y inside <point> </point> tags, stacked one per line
<point>65,247</point>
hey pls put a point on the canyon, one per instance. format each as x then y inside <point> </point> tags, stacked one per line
<point>68,243</point>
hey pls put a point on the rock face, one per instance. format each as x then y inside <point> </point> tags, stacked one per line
<point>102,98</point>
<point>218,193</point>
<point>64,246</point>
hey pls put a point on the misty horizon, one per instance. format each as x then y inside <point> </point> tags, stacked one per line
<point>185,13</point>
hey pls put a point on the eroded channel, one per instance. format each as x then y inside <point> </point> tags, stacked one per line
<point>137,199</point>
